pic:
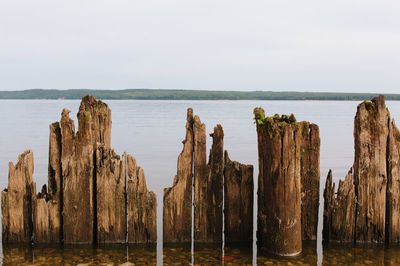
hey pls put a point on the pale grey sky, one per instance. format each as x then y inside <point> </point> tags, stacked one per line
<point>341,45</point>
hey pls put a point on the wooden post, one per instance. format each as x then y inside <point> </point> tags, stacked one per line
<point>366,208</point>
<point>208,179</point>
<point>142,206</point>
<point>309,142</point>
<point>78,168</point>
<point>279,189</point>
<point>47,205</point>
<point>177,211</point>
<point>370,173</point>
<point>339,210</point>
<point>16,201</point>
<point>111,209</point>
<point>393,188</point>
<point>238,198</point>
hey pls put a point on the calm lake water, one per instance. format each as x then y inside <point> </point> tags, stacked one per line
<point>152,132</point>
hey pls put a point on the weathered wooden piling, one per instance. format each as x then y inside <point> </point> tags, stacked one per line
<point>16,201</point>
<point>89,196</point>
<point>141,206</point>
<point>208,184</point>
<point>370,169</point>
<point>201,174</point>
<point>110,194</point>
<point>46,218</point>
<point>54,168</point>
<point>393,187</point>
<point>279,189</point>
<point>376,214</point>
<point>238,200</point>
<point>78,168</point>
<point>47,205</point>
<point>208,190</point>
<point>310,178</point>
<point>340,210</point>
<point>177,211</point>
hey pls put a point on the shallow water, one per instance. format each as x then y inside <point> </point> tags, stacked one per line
<point>333,254</point>
<point>152,132</point>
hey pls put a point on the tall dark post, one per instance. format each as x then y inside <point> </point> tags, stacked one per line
<point>279,188</point>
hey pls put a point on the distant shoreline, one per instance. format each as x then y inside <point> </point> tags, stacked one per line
<point>158,94</point>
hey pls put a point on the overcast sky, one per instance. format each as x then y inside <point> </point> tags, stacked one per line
<point>340,45</point>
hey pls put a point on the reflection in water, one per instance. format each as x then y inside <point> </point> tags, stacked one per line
<point>372,254</point>
<point>333,254</point>
<point>307,257</point>
<point>74,255</point>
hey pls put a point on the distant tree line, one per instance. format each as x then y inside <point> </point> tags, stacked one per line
<point>158,94</point>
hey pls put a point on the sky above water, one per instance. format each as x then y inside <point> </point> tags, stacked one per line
<point>279,45</point>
